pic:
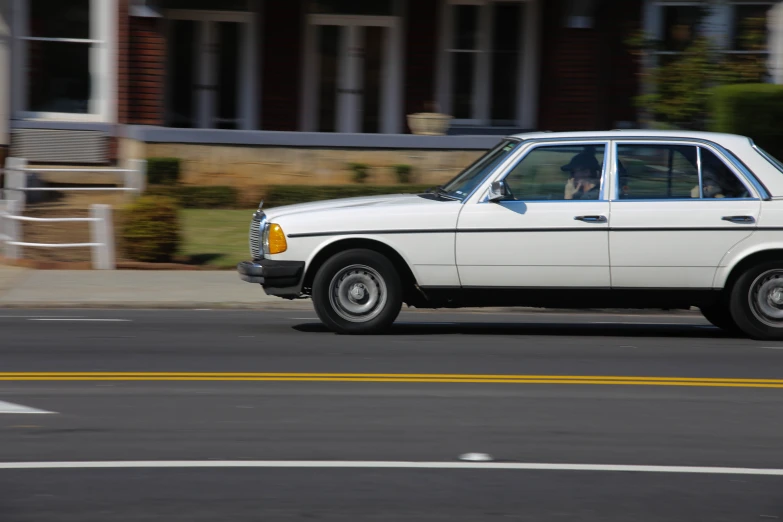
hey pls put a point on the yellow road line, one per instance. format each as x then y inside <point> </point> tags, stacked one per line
<point>394,377</point>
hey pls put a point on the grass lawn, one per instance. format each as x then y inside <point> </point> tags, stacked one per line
<point>216,238</point>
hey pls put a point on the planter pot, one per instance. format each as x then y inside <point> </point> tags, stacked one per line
<point>429,123</point>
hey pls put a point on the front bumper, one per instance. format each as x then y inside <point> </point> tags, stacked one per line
<point>271,274</point>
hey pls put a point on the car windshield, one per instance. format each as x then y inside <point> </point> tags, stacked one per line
<point>462,185</point>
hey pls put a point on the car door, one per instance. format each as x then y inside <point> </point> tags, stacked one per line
<point>539,238</point>
<point>677,209</point>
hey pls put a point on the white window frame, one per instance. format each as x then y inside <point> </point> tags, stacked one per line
<point>206,72</point>
<point>719,25</point>
<point>527,68</point>
<point>102,64</point>
<point>348,111</point>
<point>732,6</point>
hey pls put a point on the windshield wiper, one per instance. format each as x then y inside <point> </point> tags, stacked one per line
<point>440,191</point>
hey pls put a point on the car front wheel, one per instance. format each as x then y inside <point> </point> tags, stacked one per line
<point>757,301</point>
<point>357,292</point>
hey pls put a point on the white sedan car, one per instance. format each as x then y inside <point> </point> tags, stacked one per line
<point>621,219</point>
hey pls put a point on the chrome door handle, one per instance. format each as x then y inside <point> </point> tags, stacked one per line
<point>591,219</point>
<point>739,219</point>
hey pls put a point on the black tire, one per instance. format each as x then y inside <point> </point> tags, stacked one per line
<point>752,301</point>
<point>720,315</point>
<point>349,283</point>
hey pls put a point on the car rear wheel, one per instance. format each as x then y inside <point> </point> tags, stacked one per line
<point>357,292</point>
<point>720,315</point>
<point>757,301</point>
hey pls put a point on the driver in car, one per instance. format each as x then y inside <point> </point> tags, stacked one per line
<point>585,179</point>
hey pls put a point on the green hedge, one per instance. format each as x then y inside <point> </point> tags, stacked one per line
<point>753,110</point>
<point>279,195</point>
<point>151,229</point>
<point>163,171</point>
<point>210,196</point>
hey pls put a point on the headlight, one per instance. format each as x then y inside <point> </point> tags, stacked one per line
<point>274,241</point>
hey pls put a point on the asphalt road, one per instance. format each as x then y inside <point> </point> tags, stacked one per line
<point>362,400</point>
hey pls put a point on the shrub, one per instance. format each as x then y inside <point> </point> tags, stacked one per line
<point>360,171</point>
<point>753,110</point>
<point>279,195</point>
<point>678,90</point>
<point>163,171</point>
<point>211,196</point>
<point>403,173</point>
<point>151,229</point>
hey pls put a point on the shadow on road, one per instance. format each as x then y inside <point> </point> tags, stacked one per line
<point>544,329</point>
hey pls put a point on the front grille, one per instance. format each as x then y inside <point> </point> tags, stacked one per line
<point>255,234</point>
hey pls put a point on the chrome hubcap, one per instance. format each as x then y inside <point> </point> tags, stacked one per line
<point>357,293</point>
<point>766,298</point>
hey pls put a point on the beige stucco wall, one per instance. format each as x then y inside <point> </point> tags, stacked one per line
<point>253,168</point>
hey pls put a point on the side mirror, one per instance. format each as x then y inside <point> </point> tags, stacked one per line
<point>499,191</point>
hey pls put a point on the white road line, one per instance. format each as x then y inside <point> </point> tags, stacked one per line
<point>386,465</point>
<point>84,320</point>
<point>9,407</point>
<point>39,316</point>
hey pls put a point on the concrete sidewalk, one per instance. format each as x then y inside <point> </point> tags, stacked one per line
<point>21,287</point>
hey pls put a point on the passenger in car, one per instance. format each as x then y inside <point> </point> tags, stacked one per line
<point>585,179</point>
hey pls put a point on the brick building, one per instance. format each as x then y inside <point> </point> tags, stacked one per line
<point>79,71</point>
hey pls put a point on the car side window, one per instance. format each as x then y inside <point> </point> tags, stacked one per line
<point>656,171</point>
<point>558,173</point>
<point>717,179</point>
<point>672,172</point>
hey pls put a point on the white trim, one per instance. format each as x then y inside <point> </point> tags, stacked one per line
<point>527,66</point>
<point>206,65</point>
<point>349,106</point>
<point>483,72</point>
<point>18,57</point>
<point>63,40</point>
<point>527,105</point>
<point>102,64</point>
<point>443,60</point>
<point>352,20</point>
<point>308,105</point>
<point>209,16</point>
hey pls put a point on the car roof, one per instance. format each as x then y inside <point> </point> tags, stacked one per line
<point>716,137</point>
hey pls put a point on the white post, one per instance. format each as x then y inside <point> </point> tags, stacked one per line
<point>103,237</point>
<point>10,229</point>
<point>137,179</point>
<point>16,181</point>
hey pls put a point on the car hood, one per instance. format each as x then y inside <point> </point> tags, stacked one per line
<point>365,201</point>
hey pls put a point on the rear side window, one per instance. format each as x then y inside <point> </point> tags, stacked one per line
<point>657,171</point>
<point>661,172</point>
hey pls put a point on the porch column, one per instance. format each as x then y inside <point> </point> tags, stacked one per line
<point>5,76</point>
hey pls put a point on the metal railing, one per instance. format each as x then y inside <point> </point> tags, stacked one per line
<point>102,233</point>
<point>15,187</point>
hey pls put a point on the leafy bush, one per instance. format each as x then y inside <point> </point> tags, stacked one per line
<point>403,173</point>
<point>360,172</point>
<point>210,196</point>
<point>279,195</point>
<point>753,110</point>
<point>678,91</point>
<point>151,229</point>
<point>163,171</point>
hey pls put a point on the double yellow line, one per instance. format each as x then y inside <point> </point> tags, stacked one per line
<point>392,377</point>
